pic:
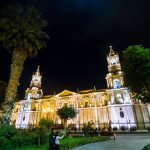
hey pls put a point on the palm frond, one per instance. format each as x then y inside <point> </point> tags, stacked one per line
<point>23,29</point>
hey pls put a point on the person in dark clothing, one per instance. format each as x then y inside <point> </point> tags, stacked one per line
<point>52,140</point>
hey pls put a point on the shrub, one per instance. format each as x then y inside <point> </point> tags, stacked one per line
<point>115,128</point>
<point>17,141</point>
<point>46,123</point>
<point>33,138</point>
<point>133,128</point>
<point>105,132</point>
<point>4,144</point>
<point>11,137</point>
<point>82,141</point>
<point>94,132</point>
<point>75,129</point>
<point>146,147</point>
<point>41,135</point>
<point>58,127</point>
<point>87,128</point>
<point>148,128</point>
<point>43,138</point>
<point>25,138</point>
<point>123,128</point>
<point>8,131</point>
<point>72,127</point>
<point>30,140</point>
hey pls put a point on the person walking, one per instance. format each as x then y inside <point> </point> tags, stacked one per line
<point>57,143</point>
<point>51,140</point>
<point>114,135</point>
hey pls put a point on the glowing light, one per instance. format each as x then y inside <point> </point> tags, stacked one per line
<point>51,110</point>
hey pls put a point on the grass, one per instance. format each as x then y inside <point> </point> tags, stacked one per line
<point>67,143</point>
<point>45,147</point>
<point>34,147</point>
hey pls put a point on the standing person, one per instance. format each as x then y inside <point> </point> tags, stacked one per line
<point>57,138</point>
<point>51,140</point>
<point>114,135</point>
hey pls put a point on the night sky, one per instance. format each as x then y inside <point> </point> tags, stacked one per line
<point>81,32</point>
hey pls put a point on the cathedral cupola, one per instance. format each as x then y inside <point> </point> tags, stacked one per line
<point>35,90</point>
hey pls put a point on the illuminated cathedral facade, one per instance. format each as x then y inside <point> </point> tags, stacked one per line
<point>113,106</point>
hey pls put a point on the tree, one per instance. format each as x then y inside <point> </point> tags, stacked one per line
<point>66,113</point>
<point>46,123</point>
<point>23,37</point>
<point>136,67</point>
<point>3,86</point>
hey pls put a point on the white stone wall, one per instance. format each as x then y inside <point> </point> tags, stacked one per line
<point>22,120</point>
<point>127,119</point>
<point>142,115</point>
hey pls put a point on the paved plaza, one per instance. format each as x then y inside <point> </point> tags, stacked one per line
<point>123,142</point>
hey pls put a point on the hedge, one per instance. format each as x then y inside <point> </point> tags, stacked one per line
<point>11,138</point>
<point>82,141</point>
<point>146,147</point>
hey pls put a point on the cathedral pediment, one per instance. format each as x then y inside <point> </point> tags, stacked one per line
<point>66,93</point>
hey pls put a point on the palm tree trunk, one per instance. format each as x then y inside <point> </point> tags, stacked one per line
<point>16,69</point>
<point>18,60</point>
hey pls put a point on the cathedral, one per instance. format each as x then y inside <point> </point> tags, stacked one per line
<point>111,107</point>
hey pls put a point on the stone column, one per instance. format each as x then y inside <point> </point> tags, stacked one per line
<point>112,97</point>
<point>96,113</point>
<point>77,116</point>
<point>107,82</point>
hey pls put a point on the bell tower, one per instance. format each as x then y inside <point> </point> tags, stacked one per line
<point>114,77</point>
<point>35,90</point>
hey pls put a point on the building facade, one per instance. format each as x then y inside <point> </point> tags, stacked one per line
<point>113,106</point>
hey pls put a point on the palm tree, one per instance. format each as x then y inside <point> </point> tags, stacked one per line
<point>22,35</point>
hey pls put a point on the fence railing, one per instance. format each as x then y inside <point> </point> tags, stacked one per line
<point>119,126</point>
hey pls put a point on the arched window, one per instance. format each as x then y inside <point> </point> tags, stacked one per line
<point>86,104</point>
<point>116,83</point>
